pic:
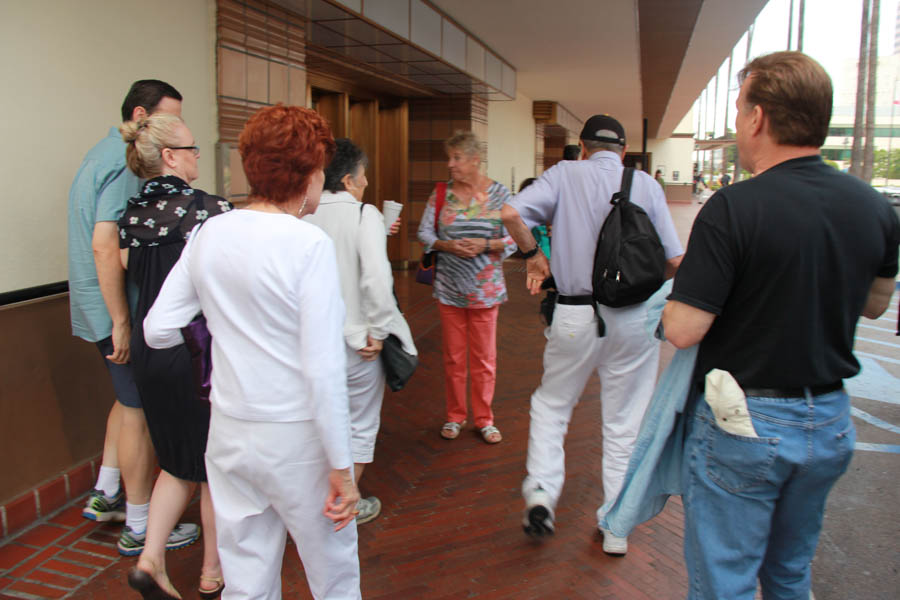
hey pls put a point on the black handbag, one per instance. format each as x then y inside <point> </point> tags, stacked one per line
<point>398,364</point>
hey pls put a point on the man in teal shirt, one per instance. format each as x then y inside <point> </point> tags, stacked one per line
<point>100,309</point>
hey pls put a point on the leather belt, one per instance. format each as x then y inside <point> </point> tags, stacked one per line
<point>794,392</point>
<point>575,300</point>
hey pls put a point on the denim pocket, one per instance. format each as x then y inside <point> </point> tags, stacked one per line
<point>845,441</point>
<point>738,463</point>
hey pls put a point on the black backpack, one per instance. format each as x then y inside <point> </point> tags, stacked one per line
<point>629,263</point>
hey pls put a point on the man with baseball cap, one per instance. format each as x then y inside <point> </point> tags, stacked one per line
<point>574,196</point>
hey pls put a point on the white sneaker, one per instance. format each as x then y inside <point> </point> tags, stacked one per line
<point>538,518</point>
<point>613,544</point>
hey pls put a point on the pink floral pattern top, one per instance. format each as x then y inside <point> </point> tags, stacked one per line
<point>469,282</point>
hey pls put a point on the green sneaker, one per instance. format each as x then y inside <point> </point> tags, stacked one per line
<point>132,544</point>
<point>369,508</point>
<point>101,508</point>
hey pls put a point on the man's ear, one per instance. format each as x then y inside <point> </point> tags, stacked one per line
<point>624,151</point>
<point>584,152</point>
<point>138,113</point>
<point>345,179</point>
<point>757,120</point>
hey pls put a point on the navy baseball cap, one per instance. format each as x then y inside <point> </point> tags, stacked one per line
<point>603,128</point>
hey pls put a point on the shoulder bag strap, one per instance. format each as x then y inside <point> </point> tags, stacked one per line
<point>625,191</point>
<point>440,199</point>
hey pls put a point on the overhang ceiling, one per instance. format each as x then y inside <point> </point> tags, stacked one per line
<point>628,58</point>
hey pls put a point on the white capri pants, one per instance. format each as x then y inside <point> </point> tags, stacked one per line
<point>266,478</point>
<point>365,386</point>
<point>626,359</point>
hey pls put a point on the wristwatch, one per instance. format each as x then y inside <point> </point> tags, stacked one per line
<point>530,253</point>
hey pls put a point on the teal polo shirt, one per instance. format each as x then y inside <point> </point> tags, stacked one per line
<point>100,192</point>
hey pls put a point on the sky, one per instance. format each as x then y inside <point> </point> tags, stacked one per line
<point>831,36</point>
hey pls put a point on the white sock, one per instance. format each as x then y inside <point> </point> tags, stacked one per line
<point>108,481</point>
<point>136,516</point>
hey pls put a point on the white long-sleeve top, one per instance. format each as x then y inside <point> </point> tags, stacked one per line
<point>367,282</point>
<point>267,284</point>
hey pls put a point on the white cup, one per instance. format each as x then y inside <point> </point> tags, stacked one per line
<point>390,210</point>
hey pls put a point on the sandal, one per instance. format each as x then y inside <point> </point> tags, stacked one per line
<point>212,593</point>
<point>451,429</point>
<point>491,435</point>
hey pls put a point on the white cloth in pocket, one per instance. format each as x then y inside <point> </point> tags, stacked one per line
<point>728,403</point>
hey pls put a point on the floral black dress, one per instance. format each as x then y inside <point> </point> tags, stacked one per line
<point>154,228</point>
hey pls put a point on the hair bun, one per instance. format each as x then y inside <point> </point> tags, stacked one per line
<point>130,130</point>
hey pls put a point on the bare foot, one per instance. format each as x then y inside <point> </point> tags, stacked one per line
<point>159,576</point>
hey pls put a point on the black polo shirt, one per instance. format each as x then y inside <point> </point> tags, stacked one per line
<point>786,261</point>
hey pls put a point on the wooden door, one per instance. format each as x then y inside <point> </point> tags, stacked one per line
<point>393,174</point>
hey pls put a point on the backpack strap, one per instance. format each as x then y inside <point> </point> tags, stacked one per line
<point>625,190</point>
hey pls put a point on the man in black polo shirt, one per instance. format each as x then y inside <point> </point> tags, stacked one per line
<point>777,272</point>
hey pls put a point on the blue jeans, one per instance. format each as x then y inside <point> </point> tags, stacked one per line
<point>754,506</point>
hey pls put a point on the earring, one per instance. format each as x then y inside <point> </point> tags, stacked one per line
<point>302,206</point>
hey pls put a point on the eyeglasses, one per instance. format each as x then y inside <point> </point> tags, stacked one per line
<point>194,149</point>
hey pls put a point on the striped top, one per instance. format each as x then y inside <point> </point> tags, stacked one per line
<point>469,282</point>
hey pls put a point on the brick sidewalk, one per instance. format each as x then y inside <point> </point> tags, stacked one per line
<point>451,525</point>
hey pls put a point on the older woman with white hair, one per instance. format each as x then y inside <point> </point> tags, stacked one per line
<point>358,232</point>
<point>462,224</point>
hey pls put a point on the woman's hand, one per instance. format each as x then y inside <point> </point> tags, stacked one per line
<point>395,227</point>
<point>476,246</point>
<point>340,505</point>
<point>371,351</point>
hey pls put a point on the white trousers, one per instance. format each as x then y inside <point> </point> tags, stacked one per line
<point>265,478</point>
<point>365,386</point>
<point>626,359</point>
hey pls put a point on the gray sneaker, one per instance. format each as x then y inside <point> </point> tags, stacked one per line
<point>369,508</point>
<point>100,507</point>
<point>132,544</point>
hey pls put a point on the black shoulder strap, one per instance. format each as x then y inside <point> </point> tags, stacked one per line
<point>625,191</point>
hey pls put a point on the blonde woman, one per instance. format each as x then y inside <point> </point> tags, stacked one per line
<point>152,234</point>
<point>469,284</point>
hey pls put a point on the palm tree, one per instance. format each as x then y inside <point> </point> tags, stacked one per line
<point>869,151</point>
<point>862,67</point>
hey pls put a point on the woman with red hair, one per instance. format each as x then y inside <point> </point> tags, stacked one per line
<point>279,436</point>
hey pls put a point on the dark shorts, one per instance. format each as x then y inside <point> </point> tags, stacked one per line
<point>122,377</point>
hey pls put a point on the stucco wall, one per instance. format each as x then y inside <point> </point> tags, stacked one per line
<point>510,141</point>
<point>66,67</point>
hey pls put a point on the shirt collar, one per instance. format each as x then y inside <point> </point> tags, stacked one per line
<point>114,132</point>
<point>342,196</point>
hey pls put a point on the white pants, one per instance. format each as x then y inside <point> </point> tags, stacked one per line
<point>264,477</point>
<point>626,359</point>
<point>365,386</point>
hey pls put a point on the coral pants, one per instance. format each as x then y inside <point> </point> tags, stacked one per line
<point>469,333</point>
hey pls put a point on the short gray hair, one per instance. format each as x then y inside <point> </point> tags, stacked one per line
<point>466,141</point>
<point>594,146</point>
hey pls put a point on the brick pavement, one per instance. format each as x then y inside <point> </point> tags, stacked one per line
<point>452,510</point>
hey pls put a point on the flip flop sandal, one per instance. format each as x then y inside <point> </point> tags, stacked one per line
<point>451,429</point>
<point>487,432</point>
<point>211,594</point>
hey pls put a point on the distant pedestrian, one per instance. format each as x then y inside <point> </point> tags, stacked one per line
<point>660,179</point>
<point>571,152</point>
